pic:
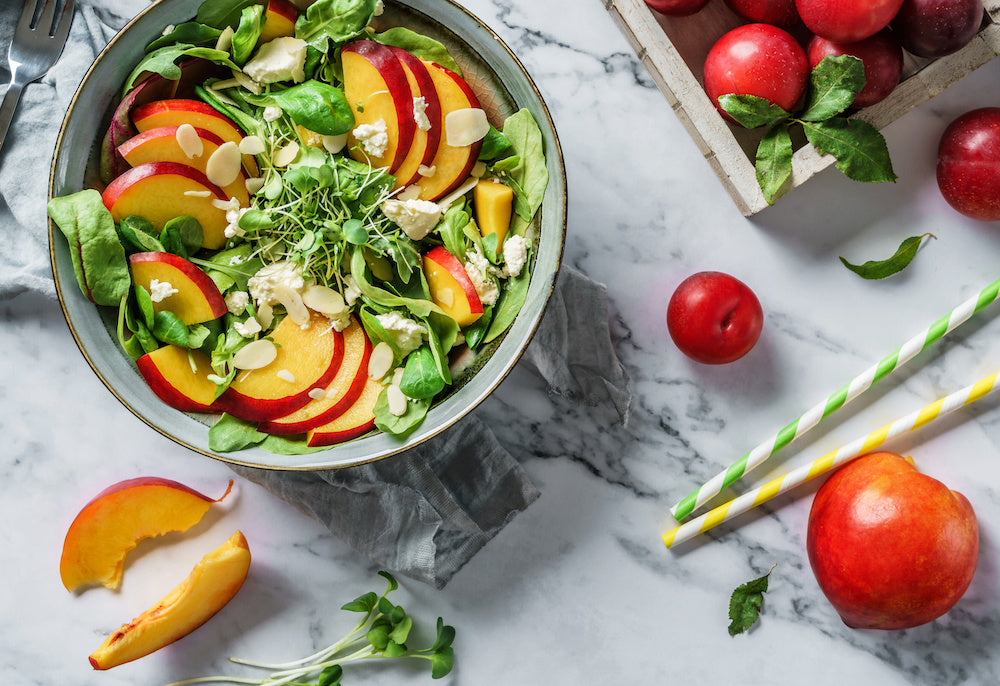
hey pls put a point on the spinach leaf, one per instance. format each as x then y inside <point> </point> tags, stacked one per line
<point>162,62</point>
<point>377,334</point>
<point>442,332</point>
<point>138,234</point>
<point>333,20</point>
<point>98,258</point>
<point>182,236</point>
<point>190,32</point>
<point>421,377</point>
<point>422,46</point>
<point>244,120</point>
<point>248,33</point>
<point>286,445</point>
<point>145,304</point>
<point>400,426</point>
<point>531,177</point>
<point>476,331</point>
<point>169,328</point>
<point>495,146</point>
<point>509,304</point>
<point>222,13</point>
<point>451,229</point>
<point>380,296</point>
<point>313,104</point>
<point>230,433</point>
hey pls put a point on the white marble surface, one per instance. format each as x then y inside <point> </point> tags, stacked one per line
<point>578,588</point>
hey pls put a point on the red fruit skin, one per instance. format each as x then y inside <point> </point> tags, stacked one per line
<point>881,55</point>
<point>677,8</point>
<point>968,166</point>
<point>891,548</point>
<point>847,21</point>
<point>934,28</point>
<point>778,12</point>
<point>757,59</point>
<point>714,318</point>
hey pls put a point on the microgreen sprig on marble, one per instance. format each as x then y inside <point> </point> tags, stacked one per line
<point>381,634</point>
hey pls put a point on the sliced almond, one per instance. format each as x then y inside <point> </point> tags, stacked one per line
<point>334,144</point>
<point>265,315</point>
<point>409,193</point>
<point>466,186</point>
<point>254,185</point>
<point>380,360</point>
<point>465,126</point>
<point>225,39</point>
<point>246,82</point>
<point>189,141</point>
<point>445,297</point>
<point>292,301</point>
<point>252,145</point>
<point>324,300</point>
<point>256,355</point>
<point>426,171</point>
<point>397,400</point>
<point>317,393</point>
<point>285,375</point>
<point>198,194</point>
<point>285,155</point>
<point>478,169</point>
<point>224,165</point>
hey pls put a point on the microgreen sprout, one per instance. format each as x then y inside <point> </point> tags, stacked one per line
<point>381,634</point>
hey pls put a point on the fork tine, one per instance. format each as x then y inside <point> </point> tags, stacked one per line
<point>27,15</point>
<point>61,30</point>
<point>45,20</point>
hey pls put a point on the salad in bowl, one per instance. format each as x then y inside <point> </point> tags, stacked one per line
<point>305,230</point>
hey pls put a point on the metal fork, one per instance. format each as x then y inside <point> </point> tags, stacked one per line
<point>35,48</point>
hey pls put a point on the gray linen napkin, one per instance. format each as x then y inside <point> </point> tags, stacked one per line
<point>423,513</point>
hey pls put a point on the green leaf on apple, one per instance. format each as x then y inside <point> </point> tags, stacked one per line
<point>861,151</point>
<point>774,161</point>
<point>833,84</point>
<point>880,269</point>
<point>752,111</point>
<point>745,603</point>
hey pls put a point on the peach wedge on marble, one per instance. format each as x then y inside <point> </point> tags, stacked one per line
<point>209,587</point>
<point>118,518</point>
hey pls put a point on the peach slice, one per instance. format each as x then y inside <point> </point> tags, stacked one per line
<point>200,115</point>
<point>425,142</point>
<point>197,298</point>
<point>306,359</point>
<point>452,164</point>
<point>168,372</point>
<point>212,583</point>
<point>118,518</point>
<point>161,191</point>
<point>494,203</point>
<point>279,20</point>
<point>358,419</point>
<point>340,394</point>
<point>451,288</point>
<point>376,88</point>
<point>161,145</point>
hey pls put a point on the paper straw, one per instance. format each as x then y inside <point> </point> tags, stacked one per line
<point>835,401</point>
<point>860,446</point>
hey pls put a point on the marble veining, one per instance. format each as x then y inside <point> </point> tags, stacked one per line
<point>578,588</point>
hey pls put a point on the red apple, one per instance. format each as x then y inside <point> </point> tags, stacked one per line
<point>934,28</point>
<point>777,12</point>
<point>677,8</point>
<point>847,21</point>
<point>890,547</point>
<point>968,167</point>
<point>714,318</point>
<point>881,55</point>
<point>757,59</point>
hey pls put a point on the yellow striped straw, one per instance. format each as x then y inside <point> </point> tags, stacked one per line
<point>859,446</point>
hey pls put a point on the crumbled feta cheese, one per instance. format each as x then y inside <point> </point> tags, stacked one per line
<point>374,138</point>
<point>420,114</point>
<point>233,215</point>
<point>407,334</point>
<point>416,218</point>
<point>478,269</point>
<point>272,113</point>
<point>379,8</point>
<point>248,329</point>
<point>515,252</point>
<point>351,290</point>
<point>281,59</point>
<point>237,301</point>
<point>160,290</point>
<point>264,284</point>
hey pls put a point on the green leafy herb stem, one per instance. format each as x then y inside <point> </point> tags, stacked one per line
<point>880,269</point>
<point>381,634</point>
<point>745,603</point>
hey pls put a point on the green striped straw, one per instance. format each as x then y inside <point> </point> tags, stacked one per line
<point>838,399</point>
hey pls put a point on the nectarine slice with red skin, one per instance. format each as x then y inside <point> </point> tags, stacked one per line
<point>452,164</point>
<point>425,143</point>
<point>279,20</point>
<point>357,420</point>
<point>161,191</point>
<point>376,88</point>
<point>312,356</point>
<point>118,518</point>
<point>341,393</point>
<point>209,587</point>
<point>161,145</point>
<point>168,373</point>
<point>201,115</point>
<point>451,288</point>
<point>197,299</point>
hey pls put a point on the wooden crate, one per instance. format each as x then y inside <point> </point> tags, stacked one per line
<point>673,50</point>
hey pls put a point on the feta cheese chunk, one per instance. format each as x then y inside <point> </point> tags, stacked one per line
<point>237,301</point>
<point>281,59</point>
<point>415,217</point>
<point>160,290</point>
<point>374,138</point>
<point>407,334</point>
<point>420,114</point>
<point>515,253</point>
<point>478,269</point>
